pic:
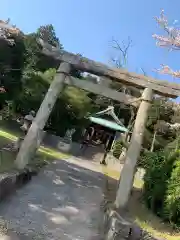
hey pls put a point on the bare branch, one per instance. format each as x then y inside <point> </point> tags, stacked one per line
<point>144,72</point>
<point>123,48</point>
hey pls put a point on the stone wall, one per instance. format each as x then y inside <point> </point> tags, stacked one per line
<point>60,144</point>
<point>91,153</point>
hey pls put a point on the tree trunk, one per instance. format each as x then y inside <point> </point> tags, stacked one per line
<point>128,171</point>
<point>153,141</point>
<point>126,139</point>
<point>34,136</point>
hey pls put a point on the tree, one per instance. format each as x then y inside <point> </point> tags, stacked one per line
<point>120,61</point>
<point>25,77</point>
<point>159,121</point>
<point>128,113</point>
<point>171,41</point>
<point>6,31</point>
<point>32,52</point>
<point>47,33</point>
<point>11,61</point>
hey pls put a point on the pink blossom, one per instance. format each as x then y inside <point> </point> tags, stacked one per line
<point>167,70</point>
<point>7,30</point>
<point>171,41</point>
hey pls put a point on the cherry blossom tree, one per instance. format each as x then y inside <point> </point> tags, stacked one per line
<point>6,32</point>
<point>171,41</point>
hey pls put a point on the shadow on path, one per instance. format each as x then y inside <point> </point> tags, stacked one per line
<point>63,202</point>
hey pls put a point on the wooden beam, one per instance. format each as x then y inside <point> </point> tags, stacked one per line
<point>163,88</point>
<point>102,90</point>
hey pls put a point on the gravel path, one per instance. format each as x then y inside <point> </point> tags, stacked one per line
<point>62,202</point>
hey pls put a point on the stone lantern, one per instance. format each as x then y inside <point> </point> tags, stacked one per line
<point>28,119</point>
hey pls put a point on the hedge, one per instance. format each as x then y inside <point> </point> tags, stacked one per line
<point>159,167</point>
<point>117,148</point>
<point>172,199</point>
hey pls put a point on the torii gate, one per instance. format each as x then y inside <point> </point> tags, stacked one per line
<point>69,61</point>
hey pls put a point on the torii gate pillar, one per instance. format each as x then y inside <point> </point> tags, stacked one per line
<point>128,171</point>
<point>34,136</point>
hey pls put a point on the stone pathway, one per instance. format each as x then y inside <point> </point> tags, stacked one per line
<point>62,202</point>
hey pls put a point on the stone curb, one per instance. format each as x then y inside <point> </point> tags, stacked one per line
<point>10,182</point>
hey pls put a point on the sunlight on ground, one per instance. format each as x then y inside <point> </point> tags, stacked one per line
<point>8,135</point>
<point>45,150</point>
<point>116,175</point>
<point>137,210</point>
<point>110,172</point>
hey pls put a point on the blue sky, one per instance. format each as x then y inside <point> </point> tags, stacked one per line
<point>87,27</point>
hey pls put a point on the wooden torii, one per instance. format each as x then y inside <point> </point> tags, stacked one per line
<point>68,62</point>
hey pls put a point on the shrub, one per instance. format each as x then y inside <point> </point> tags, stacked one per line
<point>171,210</point>
<point>154,186</point>
<point>172,146</point>
<point>117,149</point>
<point>158,171</point>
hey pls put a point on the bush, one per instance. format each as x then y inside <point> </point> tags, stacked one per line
<point>117,149</point>
<point>172,146</point>
<point>154,186</point>
<point>172,199</point>
<point>158,171</point>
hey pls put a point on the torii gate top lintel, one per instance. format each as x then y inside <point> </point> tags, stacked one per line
<point>163,88</point>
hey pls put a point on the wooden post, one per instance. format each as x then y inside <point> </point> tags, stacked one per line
<point>153,141</point>
<point>128,171</point>
<point>34,136</point>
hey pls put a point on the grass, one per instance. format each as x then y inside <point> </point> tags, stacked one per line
<point>148,221</point>
<point>141,215</point>
<point>7,158</point>
<point>137,210</point>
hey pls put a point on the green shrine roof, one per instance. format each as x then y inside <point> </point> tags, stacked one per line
<point>108,124</point>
